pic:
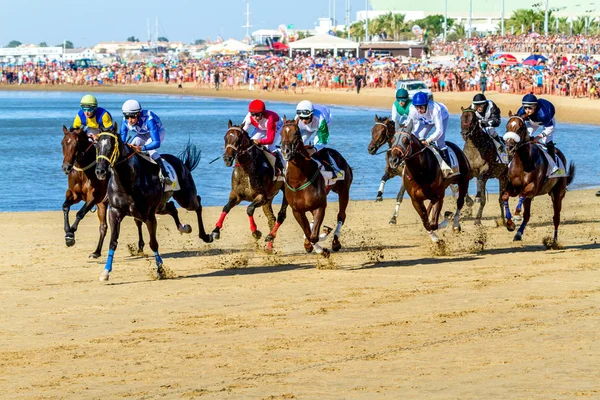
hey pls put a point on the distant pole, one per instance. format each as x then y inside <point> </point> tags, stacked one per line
<point>445,19</point>
<point>334,20</point>
<point>556,25</point>
<point>348,18</point>
<point>502,18</point>
<point>470,17</point>
<point>546,20</point>
<point>571,29</point>
<point>367,20</point>
<point>247,26</point>
<point>522,29</point>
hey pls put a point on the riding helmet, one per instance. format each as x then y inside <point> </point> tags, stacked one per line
<point>420,99</point>
<point>256,106</point>
<point>88,101</point>
<point>529,100</point>
<point>402,94</point>
<point>304,109</point>
<point>479,99</point>
<point>131,107</point>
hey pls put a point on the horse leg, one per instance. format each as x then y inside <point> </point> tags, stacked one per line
<point>258,200</point>
<point>557,194</point>
<point>66,207</point>
<point>517,216</point>
<point>172,211</point>
<point>386,176</point>
<point>151,225</point>
<point>481,184</point>
<point>463,188</point>
<point>502,182</point>
<point>344,198</point>
<point>197,206</point>
<point>319,216</point>
<point>103,228</point>
<point>399,198</point>
<point>281,215</point>
<point>306,228</point>
<point>234,200</point>
<point>510,225</point>
<point>141,244</point>
<point>422,211</point>
<point>526,216</point>
<point>115,216</point>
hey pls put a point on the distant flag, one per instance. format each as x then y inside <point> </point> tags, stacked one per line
<point>290,26</point>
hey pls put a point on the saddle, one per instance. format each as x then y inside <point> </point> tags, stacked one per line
<point>448,171</point>
<point>276,164</point>
<point>560,171</point>
<point>172,174</point>
<point>332,174</point>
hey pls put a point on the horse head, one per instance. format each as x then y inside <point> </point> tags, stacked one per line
<point>291,139</point>
<point>108,149</point>
<point>383,131</point>
<point>469,125</point>
<point>516,132</point>
<point>73,146</point>
<point>237,142</point>
<point>408,145</point>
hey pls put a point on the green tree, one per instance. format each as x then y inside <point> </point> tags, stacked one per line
<point>199,42</point>
<point>357,30</point>
<point>43,44</point>
<point>68,44</point>
<point>132,39</point>
<point>162,39</point>
<point>434,24</point>
<point>13,43</point>
<point>522,19</point>
<point>458,32</point>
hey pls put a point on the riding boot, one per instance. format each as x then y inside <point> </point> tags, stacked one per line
<point>445,157</point>
<point>552,153</point>
<point>165,175</point>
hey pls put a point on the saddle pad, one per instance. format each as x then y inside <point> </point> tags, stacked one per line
<point>561,172</point>
<point>173,177</point>
<point>448,170</point>
<point>327,175</point>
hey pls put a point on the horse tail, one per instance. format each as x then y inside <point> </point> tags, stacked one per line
<point>190,156</point>
<point>571,173</point>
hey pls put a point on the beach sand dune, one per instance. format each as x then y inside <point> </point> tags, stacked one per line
<point>388,316</point>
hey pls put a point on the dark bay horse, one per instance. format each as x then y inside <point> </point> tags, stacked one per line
<point>481,152</point>
<point>251,180</point>
<point>306,190</point>
<point>135,189</point>
<point>79,158</point>
<point>527,175</point>
<point>383,132</point>
<point>423,180</point>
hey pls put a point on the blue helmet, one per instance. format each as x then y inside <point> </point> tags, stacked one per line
<point>529,100</point>
<point>420,99</point>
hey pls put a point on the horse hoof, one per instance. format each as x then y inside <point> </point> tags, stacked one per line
<point>477,200</point>
<point>70,239</point>
<point>269,249</point>
<point>325,253</point>
<point>510,226</point>
<point>518,237</point>
<point>336,245</point>
<point>308,248</point>
<point>457,229</point>
<point>517,216</point>
<point>269,238</point>
<point>469,202</point>
<point>185,229</point>
<point>327,229</point>
<point>378,198</point>
<point>94,255</point>
<point>477,222</point>
<point>257,235</point>
<point>216,235</point>
<point>392,221</point>
<point>104,275</point>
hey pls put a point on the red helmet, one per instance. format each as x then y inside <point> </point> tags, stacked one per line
<point>256,106</point>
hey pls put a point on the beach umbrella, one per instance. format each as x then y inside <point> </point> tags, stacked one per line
<point>597,77</point>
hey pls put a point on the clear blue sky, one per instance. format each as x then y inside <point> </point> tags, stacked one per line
<point>86,23</point>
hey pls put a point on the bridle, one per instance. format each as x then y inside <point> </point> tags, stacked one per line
<point>520,129</point>
<point>385,136</point>
<point>234,147</point>
<point>294,144</point>
<point>115,153</point>
<point>78,155</point>
<point>471,129</point>
<point>406,152</point>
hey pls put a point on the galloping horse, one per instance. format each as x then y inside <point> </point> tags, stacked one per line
<point>527,175</point>
<point>306,190</point>
<point>483,159</point>
<point>383,131</point>
<point>251,180</point>
<point>423,180</point>
<point>79,156</point>
<point>135,189</point>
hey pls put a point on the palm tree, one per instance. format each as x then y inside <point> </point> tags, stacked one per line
<point>522,19</point>
<point>357,30</point>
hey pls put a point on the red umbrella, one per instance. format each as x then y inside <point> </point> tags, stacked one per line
<point>508,58</point>
<point>530,62</point>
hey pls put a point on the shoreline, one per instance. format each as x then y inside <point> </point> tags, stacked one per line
<point>576,111</point>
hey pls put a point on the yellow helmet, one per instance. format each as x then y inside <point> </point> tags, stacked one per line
<point>89,101</point>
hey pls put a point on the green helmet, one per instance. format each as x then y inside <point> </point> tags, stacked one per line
<point>402,94</point>
<point>89,101</point>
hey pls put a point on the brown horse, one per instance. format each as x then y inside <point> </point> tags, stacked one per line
<point>251,180</point>
<point>383,132</point>
<point>79,158</point>
<point>423,180</point>
<point>306,190</point>
<point>527,175</point>
<point>483,159</point>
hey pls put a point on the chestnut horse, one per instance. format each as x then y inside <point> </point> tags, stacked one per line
<point>251,180</point>
<point>79,158</point>
<point>423,180</point>
<point>383,132</point>
<point>527,175</point>
<point>481,152</point>
<point>135,189</point>
<point>306,189</point>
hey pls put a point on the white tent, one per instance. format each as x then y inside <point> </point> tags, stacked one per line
<point>323,42</point>
<point>230,46</point>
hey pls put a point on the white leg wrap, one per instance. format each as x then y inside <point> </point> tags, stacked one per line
<point>318,249</point>
<point>381,186</point>
<point>338,229</point>
<point>457,218</point>
<point>397,209</point>
<point>433,236</point>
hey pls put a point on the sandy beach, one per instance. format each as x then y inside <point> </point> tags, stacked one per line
<point>389,316</point>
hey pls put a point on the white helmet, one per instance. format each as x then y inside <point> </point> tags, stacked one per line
<point>304,109</point>
<point>131,107</point>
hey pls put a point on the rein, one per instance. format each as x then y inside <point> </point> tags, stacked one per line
<point>87,166</point>
<point>305,185</point>
<point>385,138</point>
<point>115,153</point>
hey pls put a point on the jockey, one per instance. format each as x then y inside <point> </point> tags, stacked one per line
<point>267,128</point>
<point>149,133</point>
<point>91,116</point>
<point>400,108</point>
<point>313,122</point>
<point>427,114</point>
<point>539,112</point>
<point>488,114</point>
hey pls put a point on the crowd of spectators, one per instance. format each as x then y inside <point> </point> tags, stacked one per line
<point>468,69</point>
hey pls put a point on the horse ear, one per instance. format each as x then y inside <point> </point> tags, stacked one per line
<point>65,130</point>
<point>462,108</point>
<point>284,119</point>
<point>229,124</point>
<point>115,129</point>
<point>376,118</point>
<point>510,114</point>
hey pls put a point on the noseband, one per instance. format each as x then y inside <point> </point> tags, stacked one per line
<point>385,133</point>
<point>115,153</point>
<point>234,147</point>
